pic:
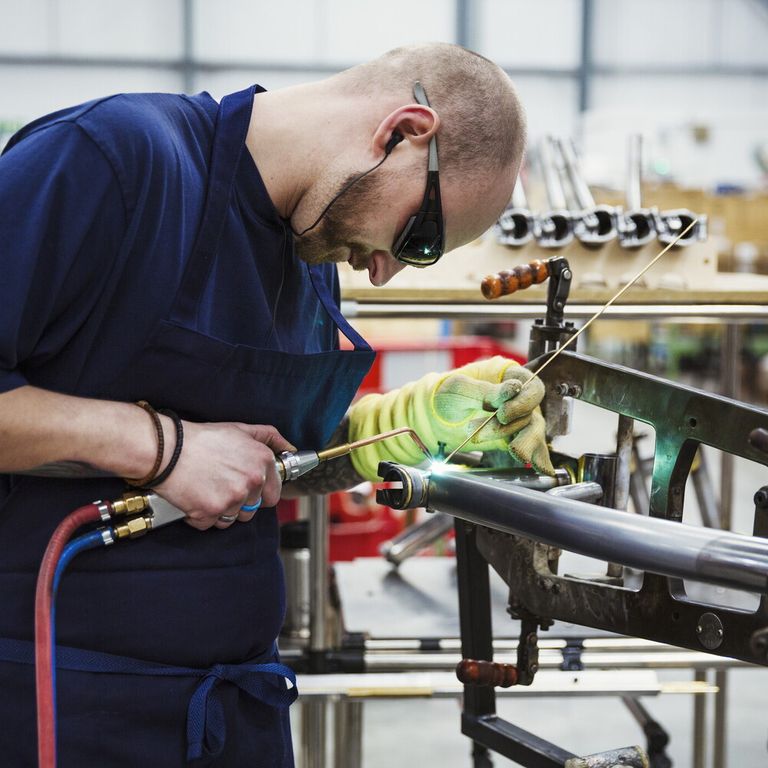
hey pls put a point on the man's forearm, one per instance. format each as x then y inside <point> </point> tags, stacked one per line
<point>46,433</point>
<point>334,475</point>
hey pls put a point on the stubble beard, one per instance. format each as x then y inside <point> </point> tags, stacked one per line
<point>333,240</point>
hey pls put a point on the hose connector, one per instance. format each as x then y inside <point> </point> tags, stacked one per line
<point>130,504</point>
<point>133,527</point>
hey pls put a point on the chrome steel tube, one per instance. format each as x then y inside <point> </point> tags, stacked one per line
<point>348,733</point>
<point>313,732</point>
<point>624,439</point>
<point>581,191</point>
<point>634,195</point>
<point>519,200</point>
<point>580,491</point>
<point>506,311</point>
<point>555,192</point>
<point>417,537</point>
<point>318,564</point>
<point>650,544</point>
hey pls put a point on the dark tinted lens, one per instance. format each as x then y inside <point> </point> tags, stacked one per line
<point>422,247</point>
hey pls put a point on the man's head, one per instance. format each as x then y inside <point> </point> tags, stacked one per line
<point>479,125</point>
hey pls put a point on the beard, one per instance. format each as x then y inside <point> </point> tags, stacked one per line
<point>333,240</point>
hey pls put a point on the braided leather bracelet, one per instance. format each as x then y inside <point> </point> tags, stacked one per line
<point>163,476</point>
<point>142,481</point>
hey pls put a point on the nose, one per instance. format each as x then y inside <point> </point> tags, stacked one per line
<point>383,267</point>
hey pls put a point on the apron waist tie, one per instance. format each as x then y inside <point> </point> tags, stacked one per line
<point>262,680</point>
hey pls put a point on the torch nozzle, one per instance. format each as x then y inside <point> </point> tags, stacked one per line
<point>343,450</point>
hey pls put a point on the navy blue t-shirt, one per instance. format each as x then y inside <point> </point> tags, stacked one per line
<point>99,208</point>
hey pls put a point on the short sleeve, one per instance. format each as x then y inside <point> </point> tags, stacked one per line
<point>62,219</point>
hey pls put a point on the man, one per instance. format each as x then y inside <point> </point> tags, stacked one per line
<point>175,251</point>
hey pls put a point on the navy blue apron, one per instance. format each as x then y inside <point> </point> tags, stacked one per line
<point>167,644</point>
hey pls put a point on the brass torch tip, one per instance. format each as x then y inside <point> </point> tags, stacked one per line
<point>335,451</point>
<point>341,450</point>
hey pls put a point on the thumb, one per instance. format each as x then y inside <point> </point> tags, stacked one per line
<point>268,435</point>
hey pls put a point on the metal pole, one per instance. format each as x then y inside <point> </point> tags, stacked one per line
<point>648,543</point>
<point>187,50</point>
<point>552,181</point>
<point>348,733</point>
<point>318,569</point>
<point>700,723</point>
<point>585,65</point>
<point>624,440</point>
<point>464,23</point>
<point>634,194</point>
<point>705,493</point>
<point>730,387</point>
<point>720,746</point>
<point>730,359</point>
<point>313,716</point>
<point>313,710</point>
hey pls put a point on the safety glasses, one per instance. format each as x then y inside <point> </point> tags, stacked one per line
<point>422,241</point>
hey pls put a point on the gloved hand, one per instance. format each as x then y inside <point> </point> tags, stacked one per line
<point>447,408</point>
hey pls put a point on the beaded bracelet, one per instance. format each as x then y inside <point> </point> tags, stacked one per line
<point>163,476</point>
<point>142,481</point>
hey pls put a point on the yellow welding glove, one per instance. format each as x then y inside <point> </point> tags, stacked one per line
<point>447,408</point>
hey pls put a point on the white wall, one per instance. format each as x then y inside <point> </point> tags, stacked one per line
<point>280,42</point>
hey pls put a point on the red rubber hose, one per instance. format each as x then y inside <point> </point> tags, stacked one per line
<point>46,718</point>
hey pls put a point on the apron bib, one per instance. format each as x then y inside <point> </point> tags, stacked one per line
<point>198,605</point>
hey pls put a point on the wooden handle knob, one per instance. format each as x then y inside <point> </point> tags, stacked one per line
<point>471,672</point>
<point>517,279</point>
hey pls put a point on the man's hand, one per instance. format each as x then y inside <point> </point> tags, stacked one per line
<point>222,468</point>
<point>447,408</point>
<point>466,397</point>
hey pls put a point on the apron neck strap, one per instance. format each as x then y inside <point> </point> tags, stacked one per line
<point>332,308</point>
<point>232,121</point>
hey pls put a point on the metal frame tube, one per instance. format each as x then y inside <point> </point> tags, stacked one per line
<point>651,544</point>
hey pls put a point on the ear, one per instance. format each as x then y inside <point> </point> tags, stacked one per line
<point>413,122</point>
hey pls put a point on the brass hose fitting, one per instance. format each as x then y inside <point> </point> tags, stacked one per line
<point>130,504</point>
<point>133,527</point>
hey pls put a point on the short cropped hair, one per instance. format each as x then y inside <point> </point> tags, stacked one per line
<point>482,123</point>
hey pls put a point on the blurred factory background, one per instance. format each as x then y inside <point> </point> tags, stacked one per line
<point>689,76</point>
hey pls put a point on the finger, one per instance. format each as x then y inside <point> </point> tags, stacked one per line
<point>270,491</point>
<point>495,430</point>
<point>267,434</point>
<point>530,396</point>
<point>199,521</point>
<point>501,393</point>
<point>460,386</point>
<point>517,372</point>
<point>248,510</point>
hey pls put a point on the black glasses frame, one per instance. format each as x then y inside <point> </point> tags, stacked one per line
<point>422,241</point>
